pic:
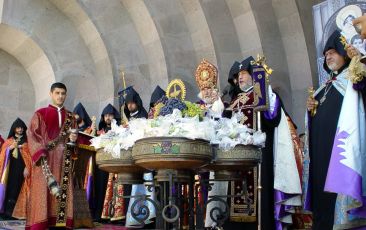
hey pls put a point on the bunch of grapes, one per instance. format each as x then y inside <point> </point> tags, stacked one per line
<point>192,110</point>
<point>170,105</point>
<point>162,100</point>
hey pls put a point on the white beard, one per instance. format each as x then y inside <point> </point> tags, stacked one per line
<point>207,100</point>
<point>333,66</point>
<point>245,88</point>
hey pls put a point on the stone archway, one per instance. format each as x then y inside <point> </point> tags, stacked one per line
<point>32,57</point>
<point>16,92</point>
<point>150,40</point>
<point>94,42</point>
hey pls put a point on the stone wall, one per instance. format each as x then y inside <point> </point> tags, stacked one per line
<point>16,93</point>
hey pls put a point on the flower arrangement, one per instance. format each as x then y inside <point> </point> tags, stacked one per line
<point>226,133</point>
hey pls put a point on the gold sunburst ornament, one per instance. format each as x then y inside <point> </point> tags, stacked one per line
<point>176,89</point>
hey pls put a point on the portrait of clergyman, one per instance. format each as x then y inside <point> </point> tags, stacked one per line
<point>344,23</point>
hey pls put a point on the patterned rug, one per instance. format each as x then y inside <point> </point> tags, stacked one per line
<point>20,225</point>
<point>109,227</point>
<point>12,224</point>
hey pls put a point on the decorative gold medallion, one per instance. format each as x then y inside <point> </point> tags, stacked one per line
<point>206,75</point>
<point>176,89</point>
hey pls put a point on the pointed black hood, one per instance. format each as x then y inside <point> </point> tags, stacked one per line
<point>80,110</point>
<point>18,123</point>
<point>233,73</point>
<point>156,95</point>
<point>109,109</point>
<point>133,96</point>
<point>334,42</point>
<point>121,95</point>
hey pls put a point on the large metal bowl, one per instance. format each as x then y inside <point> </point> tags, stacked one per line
<point>239,158</point>
<point>157,153</point>
<point>123,166</point>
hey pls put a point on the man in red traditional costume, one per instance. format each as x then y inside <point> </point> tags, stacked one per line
<point>50,136</point>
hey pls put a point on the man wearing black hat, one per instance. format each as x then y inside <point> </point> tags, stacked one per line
<point>328,100</point>
<point>243,101</point>
<point>85,171</point>
<point>134,109</point>
<point>15,161</point>
<point>133,105</point>
<point>82,118</point>
<point>108,115</point>
<point>115,190</point>
<point>324,108</point>
<point>105,189</point>
<point>243,91</point>
<point>245,94</point>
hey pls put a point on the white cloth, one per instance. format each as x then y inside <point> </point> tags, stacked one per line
<point>217,108</point>
<point>219,188</point>
<point>272,99</point>
<point>286,174</point>
<point>140,189</point>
